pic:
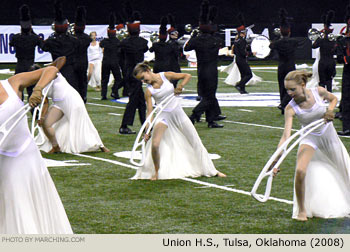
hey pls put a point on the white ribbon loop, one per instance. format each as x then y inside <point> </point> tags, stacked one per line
<point>141,143</point>
<point>284,149</point>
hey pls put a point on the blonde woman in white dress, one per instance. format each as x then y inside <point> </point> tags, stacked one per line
<point>95,54</point>
<point>174,149</point>
<point>66,123</point>
<point>322,177</point>
<point>29,202</point>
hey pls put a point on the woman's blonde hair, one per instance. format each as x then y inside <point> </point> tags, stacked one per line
<point>141,67</point>
<point>299,76</point>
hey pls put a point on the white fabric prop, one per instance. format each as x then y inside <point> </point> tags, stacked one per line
<point>267,171</point>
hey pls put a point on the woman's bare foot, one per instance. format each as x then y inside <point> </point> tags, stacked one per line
<point>97,88</point>
<point>155,176</point>
<point>55,149</point>
<point>301,216</point>
<point>221,175</point>
<point>104,149</point>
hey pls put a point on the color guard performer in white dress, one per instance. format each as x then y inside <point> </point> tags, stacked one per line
<point>67,125</point>
<point>234,75</point>
<point>95,55</point>
<point>29,202</point>
<point>175,149</point>
<point>322,177</point>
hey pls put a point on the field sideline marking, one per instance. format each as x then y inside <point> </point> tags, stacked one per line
<point>185,179</point>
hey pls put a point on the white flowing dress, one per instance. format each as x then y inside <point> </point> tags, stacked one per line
<point>327,181</point>
<point>75,132</point>
<point>29,202</point>
<point>95,57</point>
<point>234,75</point>
<point>182,153</point>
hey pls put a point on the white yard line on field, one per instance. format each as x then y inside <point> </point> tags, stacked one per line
<point>185,179</point>
<point>103,105</point>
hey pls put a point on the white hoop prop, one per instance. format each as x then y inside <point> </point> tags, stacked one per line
<point>158,109</point>
<point>35,126</point>
<point>260,45</point>
<point>266,171</point>
<point>5,130</point>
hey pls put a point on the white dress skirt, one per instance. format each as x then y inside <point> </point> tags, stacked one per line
<point>234,75</point>
<point>327,181</point>
<point>75,132</point>
<point>182,153</point>
<point>29,202</point>
<point>95,57</point>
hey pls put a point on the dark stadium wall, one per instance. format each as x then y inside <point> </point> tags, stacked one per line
<point>255,11</point>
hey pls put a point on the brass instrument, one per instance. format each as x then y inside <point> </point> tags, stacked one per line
<point>154,36</point>
<point>122,33</point>
<point>188,28</point>
<point>313,34</point>
<point>277,32</point>
<point>70,29</point>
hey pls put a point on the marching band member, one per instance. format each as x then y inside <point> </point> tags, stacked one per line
<point>60,43</point>
<point>25,43</point>
<point>133,48</point>
<point>161,49</point>
<point>174,150</point>
<point>81,61</point>
<point>326,65</point>
<point>206,47</point>
<point>240,51</point>
<point>285,48</point>
<point>29,201</point>
<point>322,158</point>
<point>174,57</point>
<point>110,61</point>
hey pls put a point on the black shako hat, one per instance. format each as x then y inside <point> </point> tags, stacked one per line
<point>80,19</point>
<point>133,19</point>
<point>61,23</point>
<point>162,29</point>
<point>284,24</point>
<point>207,15</point>
<point>24,17</point>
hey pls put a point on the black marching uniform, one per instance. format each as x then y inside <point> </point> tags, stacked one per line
<point>326,65</point>
<point>285,48</point>
<point>81,63</point>
<point>64,44</point>
<point>174,58</point>
<point>133,48</point>
<point>241,52</point>
<point>110,62</point>
<point>206,47</point>
<point>24,44</point>
<point>343,56</point>
<point>162,51</point>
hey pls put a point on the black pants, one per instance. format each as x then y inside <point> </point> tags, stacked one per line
<point>207,85</point>
<point>80,70</point>
<point>23,65</point>
<point>282,72</point>
<point>136,101</point>
<point>107,67</point>
<point>326,72</point>
<point>245,71</point>
<point>345,94</point>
